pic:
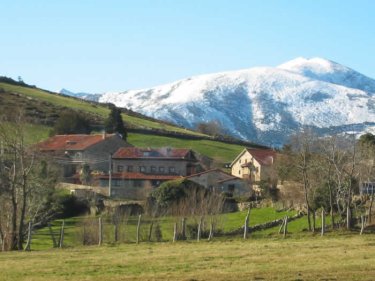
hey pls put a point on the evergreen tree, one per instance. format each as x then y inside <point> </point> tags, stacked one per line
<point>114,123</point>
<point>72,123</point>
<point>85,175</point>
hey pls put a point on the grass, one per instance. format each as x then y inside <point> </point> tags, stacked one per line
<point>349,257</point>
<point>41,103</point>
<point>33,133</point>
<point>257,216</point>
<point>36,133</point>
<point>127,232</point>
<point>81,105</point>
<point>221,152</point>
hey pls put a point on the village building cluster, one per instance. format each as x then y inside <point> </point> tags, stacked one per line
<point>120,170</point>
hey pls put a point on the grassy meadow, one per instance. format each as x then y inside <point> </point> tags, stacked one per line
<point>224,224</point>
<point>347,257</point>
<point>219,151</point>
<point>36,100</point>
<point>80,105</point>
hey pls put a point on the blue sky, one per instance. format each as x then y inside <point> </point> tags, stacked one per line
<point>97,46</point>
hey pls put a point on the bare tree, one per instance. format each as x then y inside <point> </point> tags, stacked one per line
<point>212,128</point>
<point>24,184</point>
<point>367,167</point>
<point>302,153</point>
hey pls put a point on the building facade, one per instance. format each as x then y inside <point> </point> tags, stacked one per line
<point>73,151</point>
<point>137,171</point>
<point>218,180</point>
<point>254,165</point>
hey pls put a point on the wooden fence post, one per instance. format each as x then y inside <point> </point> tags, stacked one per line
<point>175,232</point>
<point>323,222</point>
<point>52,236</point>
<point>282,225</point>
<point>150,232</point>
<point>211,235</point>
<point>183,230</point>
<point>116,231</point>
<point>362,224</point>
<point>348,218</point>
<point>246,225</point>
<point>62,230</point>
<point>28,244</point>
<point>138,227</point>
<point>199,229</point>
<point>285,226</point>
<point>100,231</point>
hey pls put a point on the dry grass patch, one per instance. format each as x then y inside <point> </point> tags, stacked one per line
<point>311,258</point>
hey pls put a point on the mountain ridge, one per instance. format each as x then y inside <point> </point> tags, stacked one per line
<point>263,104</point>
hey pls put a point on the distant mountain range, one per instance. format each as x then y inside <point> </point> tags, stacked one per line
<point>262,104</point>
<point>85,96</point>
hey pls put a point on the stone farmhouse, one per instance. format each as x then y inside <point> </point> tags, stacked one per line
<point>218,180</point>
<point>73,151</point>
<point>137,171</point>
<point>254,165</point>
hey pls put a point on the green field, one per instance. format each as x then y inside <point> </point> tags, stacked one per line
<point>224,224</point>
<point>221,152</point>
<point>81,105</point>
<point>347,257</point>
<point>39,100</point>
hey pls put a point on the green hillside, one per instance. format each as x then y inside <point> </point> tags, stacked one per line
<point>14,96</point>
<point>42,109</point>
<point>219,151</point>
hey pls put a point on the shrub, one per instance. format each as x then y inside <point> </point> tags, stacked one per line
<point>72,123</point>
<point>170,191</point>
<point>71,206</point>
<point>157,233</point>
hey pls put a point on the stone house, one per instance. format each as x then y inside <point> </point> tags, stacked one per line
<point>133,185</point>
<point>160,161</point>
<point>255,165</point>
<point>221,181</point>
<point>73,151</point>
<point>137,171</point>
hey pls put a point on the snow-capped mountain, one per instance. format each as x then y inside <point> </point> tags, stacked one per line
<point>263,104</point>
<point>85,96</point>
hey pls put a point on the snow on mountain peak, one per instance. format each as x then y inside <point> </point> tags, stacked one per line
<point>314,65</point>
<point>263,104</point>
<point>330,71</point>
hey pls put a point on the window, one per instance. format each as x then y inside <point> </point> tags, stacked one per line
<point>77,155</point>
<point>142,169</point>
<point>138,183</point>
<point>155,183</point>
<point>239,172</point>
<point>130,168</point>
<point>153,169</point>
<point>172,170</point>
<point>120,168</point>
<point>161,170</point>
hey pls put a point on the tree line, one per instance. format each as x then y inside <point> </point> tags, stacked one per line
<point>330,171</point>
<point>76,123</point>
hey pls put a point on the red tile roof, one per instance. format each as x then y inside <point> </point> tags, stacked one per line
<point>263,156</point>
<point>140,176</point>
<point>223,177</point>
<point>210,171</point>
<point>230,179</point>
<point>70,142</point>
<point>136,152</point>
